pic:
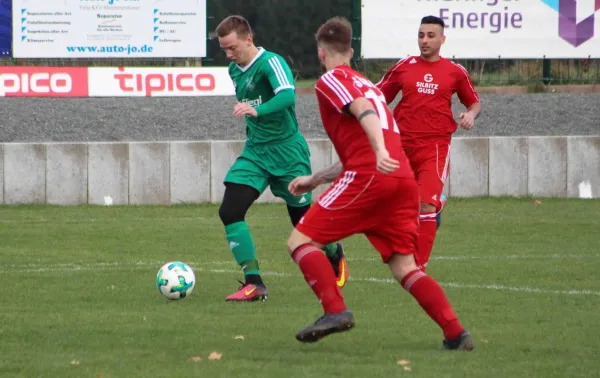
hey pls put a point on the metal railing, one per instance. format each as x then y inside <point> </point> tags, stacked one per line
<point>501,72</point>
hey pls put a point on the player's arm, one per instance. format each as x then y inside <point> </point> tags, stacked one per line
<point>365,113</point>
<point>340,91</point>
<point>328,174</point>
<point>391,83</point>
<point>281,79</point>
<point>305,184</point>
<point>468,97</point>
<point>363,110</point>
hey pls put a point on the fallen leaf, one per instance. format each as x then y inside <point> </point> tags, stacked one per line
<point>75,362</point>
<point>215,356</point>
<point>196,358</point>
<point>403,362</point>
<point>407,368</point>
<point>537,202</point>
<point>239,337</point>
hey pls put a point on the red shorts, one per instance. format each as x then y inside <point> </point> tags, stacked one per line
<point>431,165</point>
<point>385,209</point>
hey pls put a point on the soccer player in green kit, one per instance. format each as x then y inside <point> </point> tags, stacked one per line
<point>274,153</point>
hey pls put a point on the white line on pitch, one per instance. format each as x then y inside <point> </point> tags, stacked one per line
<point>33,268</point>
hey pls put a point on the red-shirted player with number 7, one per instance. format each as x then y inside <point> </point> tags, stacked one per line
<point>375,193</point>
<point>425,118</point>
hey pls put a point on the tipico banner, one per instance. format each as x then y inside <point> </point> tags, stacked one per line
<point>35,81</point>
<point>109,28</point>
<point>485,29</point>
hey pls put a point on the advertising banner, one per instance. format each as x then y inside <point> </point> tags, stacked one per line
<point>43,81</point>
<point>18,81</point>
<point>109,28</point>
<point>5,28</point>
<point>159,81</point>
<point>485,29</point>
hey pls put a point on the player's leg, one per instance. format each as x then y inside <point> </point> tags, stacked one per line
<point>342,211</point>
<point>333,251</point>
<point>438,216</point>
<point>319,275</point>
<point>396,240</point>
<point>431,297</point>
<point>244,183</point>
<point>431,174</point>
<point>296,154</point>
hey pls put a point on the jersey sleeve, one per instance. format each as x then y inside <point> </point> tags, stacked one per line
<point>279,74</point>
<point>391,83</point>
<point>338,88</point>
<point>464,87</point>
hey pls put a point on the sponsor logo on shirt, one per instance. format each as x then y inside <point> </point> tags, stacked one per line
<point>253,103</point>
<point>427,86</point>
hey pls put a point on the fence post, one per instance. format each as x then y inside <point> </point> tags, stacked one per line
<point>356,29</point>
<point>208,60</point>
<point>546,71</point>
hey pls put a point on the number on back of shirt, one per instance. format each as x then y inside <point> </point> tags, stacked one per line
<point>379,102</point>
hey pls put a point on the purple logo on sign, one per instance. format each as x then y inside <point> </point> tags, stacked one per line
<point>568,28</point>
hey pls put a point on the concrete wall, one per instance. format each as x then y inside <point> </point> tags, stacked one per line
<point>139,173</point>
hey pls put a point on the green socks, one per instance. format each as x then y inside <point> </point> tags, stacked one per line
<point>330,249</point>
<point>242,247</point>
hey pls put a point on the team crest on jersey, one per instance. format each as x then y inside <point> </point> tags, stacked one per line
<point>250,84</point>
<point>427,86</point>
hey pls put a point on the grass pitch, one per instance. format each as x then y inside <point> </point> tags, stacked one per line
<point>79,296</point>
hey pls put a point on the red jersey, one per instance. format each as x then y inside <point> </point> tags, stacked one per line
<point>335,90</point>
<point>424,114</point>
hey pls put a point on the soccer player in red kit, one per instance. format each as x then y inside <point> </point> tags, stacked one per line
<point>424,116</point>
<point>374,193</point>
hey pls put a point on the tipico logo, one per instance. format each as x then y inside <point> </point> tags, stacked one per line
<point>575,19</point>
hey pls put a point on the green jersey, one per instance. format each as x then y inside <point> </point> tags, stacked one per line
<point>259,82</point>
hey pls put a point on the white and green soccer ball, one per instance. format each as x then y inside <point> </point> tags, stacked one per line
<point>175,280</point>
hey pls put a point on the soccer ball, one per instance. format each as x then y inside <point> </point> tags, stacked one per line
<point>175,280</point>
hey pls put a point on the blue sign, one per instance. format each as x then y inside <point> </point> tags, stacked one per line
<point>5,28</point>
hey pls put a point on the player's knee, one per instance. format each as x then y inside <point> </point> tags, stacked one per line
<point>427,208</point>
<point>230,214</point>
<point>401,265</point>
<point>296,239</point>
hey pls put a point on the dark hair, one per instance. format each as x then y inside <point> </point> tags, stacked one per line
<point>336,34</point>
<point>232,24</point>
<point>433,20</point>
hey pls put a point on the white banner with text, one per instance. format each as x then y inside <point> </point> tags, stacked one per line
<point>109,28</point>
<point>485,29</point>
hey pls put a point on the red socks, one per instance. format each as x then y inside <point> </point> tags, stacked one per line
<point>427,231</point>
<point>432,299</point>
<point>320,276</point>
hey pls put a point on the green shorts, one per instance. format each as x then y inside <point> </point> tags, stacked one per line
<point>274,165</point>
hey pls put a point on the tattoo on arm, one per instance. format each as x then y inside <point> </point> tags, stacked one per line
<point>366,113</point>
<point>329,174</point>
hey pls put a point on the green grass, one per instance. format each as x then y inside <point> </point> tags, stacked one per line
<point>79,285</point>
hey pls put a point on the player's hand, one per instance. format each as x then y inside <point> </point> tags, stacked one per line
<point>242,109</point>
<point>385,164</point>
<point>467,121</point>
<point>302,184</point>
